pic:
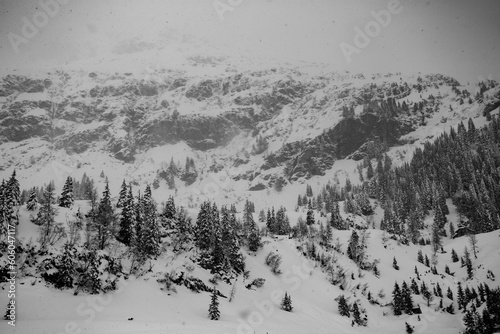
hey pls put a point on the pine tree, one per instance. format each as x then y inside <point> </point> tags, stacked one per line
<point>150,233</point>
<point>127,219</point>
<point>426,293</point>
<point>414,287</point>
<point>286,303</point>
<point>14,193</point>
<point>420,257</point>
<point>460,297</point>
<point>310,216</point>
<point>343,307</point>
<point>32,202</point>
<point>468,264</point>
<point>248,221</point>
<point>204,227</point>
<point>336,220</point>
<point>356,314</point>
<point>454,256</point>
<point>213,310</point>
<point>395,264</point>
<point>123,195</point>
<point>449,293</point>
<point>104,220</point>
<point>254,242</point>
<point>66,200</point>
<point>406,299</point>
<point>352,248</point>
<point>409,328</point>
<point>230,243</point>
<point>397,302</point>
<point>46,214</point>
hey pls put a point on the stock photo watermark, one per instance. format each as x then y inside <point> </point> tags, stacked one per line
<point>11,260</point>
<point>32,26</point>
<point>363,37</point>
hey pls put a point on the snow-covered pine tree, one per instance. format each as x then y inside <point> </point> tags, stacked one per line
<point>409,328</point>
<point>169,213</point>
<point>286,303</point>
<point>14,192</point>
<point>32,202</point>
<point>343,307</point>
<point>150,233</point>
<point>397,302</point>
<point>310,216</point>
<point>213,309</point>
<point>395,263</point>
<point>230,243</point>
<point>104,220</point>
<point>254,242</point>
<point>204,227</point>
<point>406,299</point>
<point>123,195</point>
<point>248,221</point>
<point>127,219</point>
<point>352,248</point>
<point>336,220</point>
<point>46,214</point>
<point>67,198</point>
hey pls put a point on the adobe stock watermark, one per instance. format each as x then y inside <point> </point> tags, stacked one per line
<point>372,29</point>
<point>223,6</point>
<point>292,278</point>
<point>31,28</point>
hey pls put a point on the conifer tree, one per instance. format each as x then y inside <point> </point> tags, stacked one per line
<point>127,219</point>
<point>357,315</point>
<point>449,293</point>
<point>204,227</point>
<point>150,233</point>
<point>414,287</point>
<point>352,248</point>
<point>213,309</point>
<point>336,220</point>
<point>468,264</point>
<point>248,221</point>
<point>32,202</point>
<point>420,257</point>
<point>395,264</point>
<point>397,302</point>
<point>123,195</point>
<point>66,200</point>
<point>409,328</point>
<point>46,214</point>
<point>105,219</point>
<point>406,299</point>
<point>454,256</point>
<point>286,303</point>
<point>310,216</point>
<point>14,193</point>
<point>343,307</point>
<point>254,242</point>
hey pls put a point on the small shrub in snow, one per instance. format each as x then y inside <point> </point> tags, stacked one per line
<point>258,282</point>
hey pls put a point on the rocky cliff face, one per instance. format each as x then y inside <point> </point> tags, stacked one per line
<point>312,120</point>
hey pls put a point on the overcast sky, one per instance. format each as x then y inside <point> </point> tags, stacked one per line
<point>455,37</point>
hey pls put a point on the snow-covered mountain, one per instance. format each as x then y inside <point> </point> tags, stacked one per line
<point>227,129</point>
<point>263,126</point>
